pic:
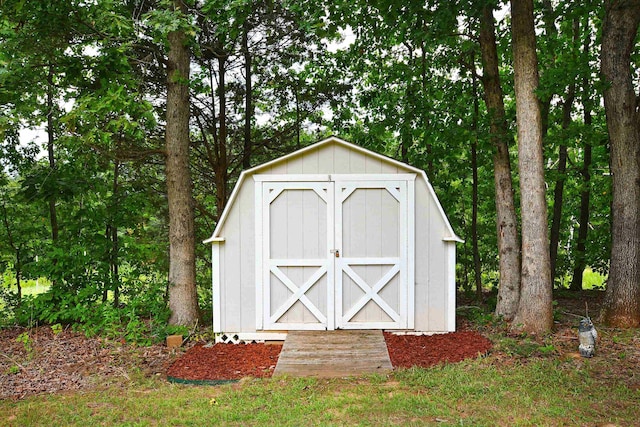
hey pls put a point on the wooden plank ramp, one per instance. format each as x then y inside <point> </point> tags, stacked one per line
<point>333,354</point>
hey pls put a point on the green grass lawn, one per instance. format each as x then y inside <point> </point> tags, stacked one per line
<point>524,381</point>
<point>484,392</point>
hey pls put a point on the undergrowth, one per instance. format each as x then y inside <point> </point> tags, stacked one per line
<point>140,317</point>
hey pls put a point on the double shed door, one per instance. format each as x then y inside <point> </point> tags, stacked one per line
<point>334,252</point>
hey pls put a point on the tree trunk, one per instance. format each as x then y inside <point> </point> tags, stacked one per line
<point>620,27</point>
<point>477,264</point>
<point>18,268</point>
<point>53,217</point>
<point>183,299</point>
<point>535,309</point>
<point>506,220</point>
<point>220,176</point>
<point>585,193</point>
<point>558,191</point>
<point>583,227</point>
<point>248,113</point>
<point>113,259</point>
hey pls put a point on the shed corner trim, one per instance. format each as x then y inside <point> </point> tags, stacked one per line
<point>454,239</point>
<point>214,240</point>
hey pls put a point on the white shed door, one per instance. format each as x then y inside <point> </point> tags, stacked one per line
<point>335,253</point>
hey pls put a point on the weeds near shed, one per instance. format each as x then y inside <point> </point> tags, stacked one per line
<point>26,342</point>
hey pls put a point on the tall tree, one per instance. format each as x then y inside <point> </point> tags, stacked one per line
<point>535,309</point>
<point>506,219</point>
<point>619,36</point>
<point>477,263</point>
<point>183,298</point>
<point>558,191</point>
<point>585,187</point>
<point>585,195</point>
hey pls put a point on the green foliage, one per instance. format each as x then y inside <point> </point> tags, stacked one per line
<point>593,280</point>
<point>477,315</point>
<point>525,347</point>
<point>25,339</point>
<point>141,318</point>
<point>13,369</point>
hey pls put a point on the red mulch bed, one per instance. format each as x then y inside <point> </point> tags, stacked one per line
<point>234,361</point>
<point>406,351</point>
<point>226,362</point>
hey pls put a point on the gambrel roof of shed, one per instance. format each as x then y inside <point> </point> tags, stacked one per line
<point>216,237</point>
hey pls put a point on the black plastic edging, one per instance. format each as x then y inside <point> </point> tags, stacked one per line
<point>200,382</point>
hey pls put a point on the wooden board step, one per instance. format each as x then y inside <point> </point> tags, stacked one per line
<point>330,354</point>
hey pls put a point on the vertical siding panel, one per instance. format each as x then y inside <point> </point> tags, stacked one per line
<point>341,156</point>
<point>438,286</point>
<point>372,241</point>
<point>232,296</point>
<point>373,165</point>
<point>280,168</point>
<point>247,257</point>
<point>389,168</point>
<point>295,245</point>
<point>380,223</point>
<point>298,224</point>
<point>295,165</point>
<point>310,162</point>
<point>437,272</point>
<point>258,252</point>
<point>390,243</point>
<point>345,247</point>
<point>326,159</point>
<point>280,236</point>
<point>411,246</point>
<point>390,227</point>
<point>310,233</point>
<point>423,259</point>
<point>357,163</point>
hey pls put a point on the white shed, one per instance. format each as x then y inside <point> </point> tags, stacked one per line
<point>332,236</point>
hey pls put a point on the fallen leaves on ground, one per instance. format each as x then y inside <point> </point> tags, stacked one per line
<point>44,362</point>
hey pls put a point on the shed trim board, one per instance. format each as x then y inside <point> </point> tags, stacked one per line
<point>451,267</point>
<point>216,288</point>
<point>332,236</point>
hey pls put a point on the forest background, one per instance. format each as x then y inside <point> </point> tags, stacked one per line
<point>86,214</point>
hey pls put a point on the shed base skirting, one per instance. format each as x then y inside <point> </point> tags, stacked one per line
<point>248,337</point>
<point>260,337</point>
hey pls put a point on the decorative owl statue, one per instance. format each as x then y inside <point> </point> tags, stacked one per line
<point>587,335</point>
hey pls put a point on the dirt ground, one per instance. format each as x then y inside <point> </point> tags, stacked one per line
<point>38,361</point>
